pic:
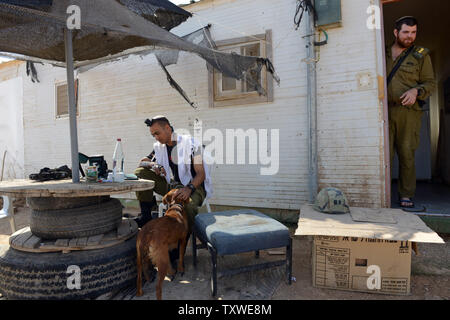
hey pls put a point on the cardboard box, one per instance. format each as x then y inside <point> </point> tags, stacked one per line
<point>362,264</point>
<point>367,250</point>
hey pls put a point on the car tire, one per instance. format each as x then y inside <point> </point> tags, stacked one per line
<point>53,276</point>
<point>57,203</point>
<point>76,222</point>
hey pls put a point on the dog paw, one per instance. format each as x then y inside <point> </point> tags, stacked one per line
<point>139,293</point>
<point>180,271</point>
<point>172,277</point>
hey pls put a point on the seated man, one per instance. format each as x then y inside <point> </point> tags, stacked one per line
<point>174,155</point>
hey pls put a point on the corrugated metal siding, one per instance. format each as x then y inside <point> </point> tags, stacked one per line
<point>349,116</point>
<point>11,120</point>
<point>115,99</point>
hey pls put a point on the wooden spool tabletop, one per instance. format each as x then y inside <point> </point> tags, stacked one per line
<point>25,240</point>
<point>66,188</point>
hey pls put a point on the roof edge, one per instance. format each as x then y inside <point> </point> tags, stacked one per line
<point>8,64</point>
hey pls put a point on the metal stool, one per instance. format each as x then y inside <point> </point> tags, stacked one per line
<point>237,231</point>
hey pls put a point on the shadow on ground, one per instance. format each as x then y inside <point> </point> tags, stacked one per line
<point>430,275</point>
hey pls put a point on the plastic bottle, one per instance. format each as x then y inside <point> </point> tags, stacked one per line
<point>118,158</point>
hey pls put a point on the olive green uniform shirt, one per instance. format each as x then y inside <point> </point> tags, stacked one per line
<point>415,72</point>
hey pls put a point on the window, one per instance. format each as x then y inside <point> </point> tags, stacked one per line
<point>62,99</point>
<point>226,91</point>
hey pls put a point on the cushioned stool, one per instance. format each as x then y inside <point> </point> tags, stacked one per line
<point>237,231</point>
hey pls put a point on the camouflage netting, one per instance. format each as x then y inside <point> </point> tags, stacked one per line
<point>162,13</point>
<point>35,28</point>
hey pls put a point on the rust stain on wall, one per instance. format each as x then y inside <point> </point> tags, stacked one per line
<point>10,69</point>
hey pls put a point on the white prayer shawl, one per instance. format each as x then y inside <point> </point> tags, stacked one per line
<point>185,147</point>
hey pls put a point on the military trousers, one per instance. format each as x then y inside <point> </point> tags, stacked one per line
<point>404,138</point>
<point>162,187</point>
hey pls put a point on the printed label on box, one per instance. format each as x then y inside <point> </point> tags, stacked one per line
<point>332,267</point>
<point>391,285</point>
<point>396,285</point>
<point>327,238</point>
<point>404,247</point>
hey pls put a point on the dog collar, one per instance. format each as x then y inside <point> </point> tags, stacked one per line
<point>176,204</point>
<point>179,212</point>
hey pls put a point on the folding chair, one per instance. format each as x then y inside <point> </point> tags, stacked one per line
<point>8,212</point>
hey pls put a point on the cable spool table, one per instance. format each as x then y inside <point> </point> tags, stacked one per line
<point>77,246</point>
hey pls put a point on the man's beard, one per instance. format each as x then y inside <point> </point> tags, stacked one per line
<point>403,44</point>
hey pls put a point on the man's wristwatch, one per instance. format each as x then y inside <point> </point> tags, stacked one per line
<point>191,186</point>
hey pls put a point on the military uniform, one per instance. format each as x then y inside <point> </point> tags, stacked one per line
<point>416,71</point>
<point>162,187</point>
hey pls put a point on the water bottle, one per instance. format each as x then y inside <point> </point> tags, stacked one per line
<point>118,158</point>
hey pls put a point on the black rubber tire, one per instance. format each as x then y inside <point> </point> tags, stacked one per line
<point>44,276</point>
<point>56,203</point>
<point>76,222</point>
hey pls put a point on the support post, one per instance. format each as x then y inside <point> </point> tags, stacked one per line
<point>72,106</point>
<point>311,105</point>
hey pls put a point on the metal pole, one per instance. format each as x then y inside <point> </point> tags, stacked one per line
<point>72,106</point>
<point>3,164</point>
<point>311,105</point>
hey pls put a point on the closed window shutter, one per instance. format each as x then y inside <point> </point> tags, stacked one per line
<point>62,99</point>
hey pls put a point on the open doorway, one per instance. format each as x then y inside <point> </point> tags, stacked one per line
<point>433,154</point>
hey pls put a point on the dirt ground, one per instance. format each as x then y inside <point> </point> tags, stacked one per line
<point>430,279</point>
<point>430,276</point>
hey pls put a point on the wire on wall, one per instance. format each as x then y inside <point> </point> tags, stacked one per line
<point>302,6</point>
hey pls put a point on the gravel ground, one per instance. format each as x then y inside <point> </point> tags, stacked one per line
<point>430,279</point>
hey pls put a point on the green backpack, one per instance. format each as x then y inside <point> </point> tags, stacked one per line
<point>331,200</point>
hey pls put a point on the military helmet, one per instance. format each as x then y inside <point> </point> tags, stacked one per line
<point>331,200</point>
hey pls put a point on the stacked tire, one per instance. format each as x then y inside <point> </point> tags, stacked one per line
<point>65,218</point>
<point>77,274</point>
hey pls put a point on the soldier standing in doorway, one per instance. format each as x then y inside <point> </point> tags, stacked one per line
<point>410,82</point>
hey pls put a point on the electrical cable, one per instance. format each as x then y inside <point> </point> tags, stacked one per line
<point>306,5</point>
<point>322,43</point>
<point>302,6</point>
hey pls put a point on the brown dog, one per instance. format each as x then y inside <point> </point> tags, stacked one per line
<point>157,237</point>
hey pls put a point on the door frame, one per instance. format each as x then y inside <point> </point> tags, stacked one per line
<point>383,100</point>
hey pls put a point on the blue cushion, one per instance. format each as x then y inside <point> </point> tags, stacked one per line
<point>238,231</point>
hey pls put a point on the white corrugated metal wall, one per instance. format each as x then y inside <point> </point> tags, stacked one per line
<point>115,98</point>
<point>350,128</point>
<point>11,122</point>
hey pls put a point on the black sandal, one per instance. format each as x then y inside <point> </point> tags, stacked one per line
<point>410,208</point>
<point>409,201</point>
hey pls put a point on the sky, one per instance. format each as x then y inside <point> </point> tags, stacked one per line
<point>177,2</point>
